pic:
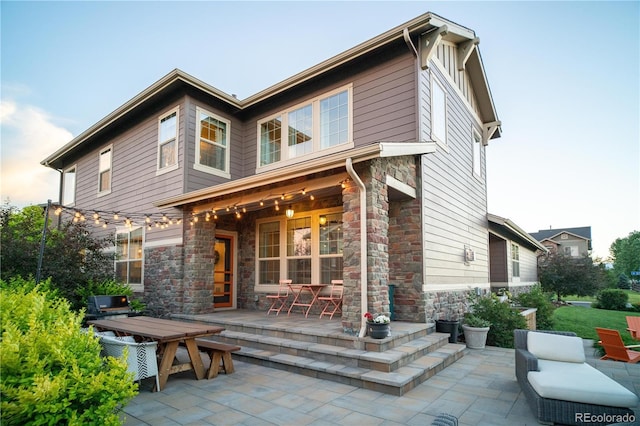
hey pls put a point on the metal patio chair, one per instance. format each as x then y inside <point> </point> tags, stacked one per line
<point>279,300</point>
<point>333,302</point>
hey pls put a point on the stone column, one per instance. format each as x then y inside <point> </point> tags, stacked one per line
<point>199,239</point>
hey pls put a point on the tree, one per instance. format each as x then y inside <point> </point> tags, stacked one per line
<point>625,253</point>
<point>72,257</point>
<point>565,275</point>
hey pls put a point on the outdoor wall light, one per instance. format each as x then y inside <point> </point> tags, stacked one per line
<point>323,220</point>
<point>289,212</point>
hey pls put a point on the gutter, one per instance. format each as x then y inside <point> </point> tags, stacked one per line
<point>363,243</point>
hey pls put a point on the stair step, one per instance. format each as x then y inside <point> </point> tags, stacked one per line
<point>321,349</point>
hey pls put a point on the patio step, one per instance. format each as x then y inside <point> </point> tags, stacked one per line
<point>393,365</point>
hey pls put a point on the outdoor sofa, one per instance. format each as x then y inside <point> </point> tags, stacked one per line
<point>561,387</point>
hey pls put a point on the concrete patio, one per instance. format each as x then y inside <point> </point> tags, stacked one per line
<point>479,389</point>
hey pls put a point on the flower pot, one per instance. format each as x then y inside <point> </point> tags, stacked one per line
<point>451,327</point>
<point>377,331</point>
<point>475,337</point>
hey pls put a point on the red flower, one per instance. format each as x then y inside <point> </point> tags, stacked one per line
<point>368,316</point>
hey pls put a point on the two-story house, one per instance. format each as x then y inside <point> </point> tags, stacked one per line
<point>368,167</point>
<point>573,242</point>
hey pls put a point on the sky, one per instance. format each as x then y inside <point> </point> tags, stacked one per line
<point>565,79</point>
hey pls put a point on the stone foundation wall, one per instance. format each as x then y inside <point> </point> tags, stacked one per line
<point>199,258</point>
<point>446,305</point>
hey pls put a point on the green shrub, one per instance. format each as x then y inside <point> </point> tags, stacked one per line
<point>612,299</point>
<point>623,282</point>
<point>52,372</point>
<point>503,318</point>
<point>536,298</point>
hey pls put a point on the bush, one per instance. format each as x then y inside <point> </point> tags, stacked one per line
<point>623,282</point>
<point>503,320</point>
<point>52,372</point>
<point>612,299</point>
<point>536,298</point>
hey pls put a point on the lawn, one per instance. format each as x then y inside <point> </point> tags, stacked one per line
<point>634,297</point>
<point>583,321</point>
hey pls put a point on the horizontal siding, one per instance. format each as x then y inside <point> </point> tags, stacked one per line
<point>528,265</point>
<point>454,211</point>
<point>134,185</point>
<point>384,102</point>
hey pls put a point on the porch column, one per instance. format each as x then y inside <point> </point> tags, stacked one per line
<point>199,239</point>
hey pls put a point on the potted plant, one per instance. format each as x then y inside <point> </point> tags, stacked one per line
<point>378,326</point>
<point>450,326</point>
<point>475,331</point>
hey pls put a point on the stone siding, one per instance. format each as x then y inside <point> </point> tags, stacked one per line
<point>163,280</point>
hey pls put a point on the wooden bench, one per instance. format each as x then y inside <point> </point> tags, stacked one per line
<point>220,356</point>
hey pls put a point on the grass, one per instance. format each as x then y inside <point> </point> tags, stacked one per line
<point>634,297</point>
<point>583,321</point>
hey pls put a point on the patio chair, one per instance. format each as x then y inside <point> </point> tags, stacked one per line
<point>279,300</point>
<point>634,326</point>
<point>332,302</point>
<point>614,347</point>
<point>141,359</point>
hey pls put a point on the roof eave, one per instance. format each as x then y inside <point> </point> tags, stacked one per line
<point>516,230</point>
<point>368,152</point>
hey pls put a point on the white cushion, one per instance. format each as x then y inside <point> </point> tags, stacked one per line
<point>555,347</point>
<point>570,381</point>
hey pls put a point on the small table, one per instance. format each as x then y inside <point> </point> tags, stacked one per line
<point>168,334</point>
<point>297,290</point>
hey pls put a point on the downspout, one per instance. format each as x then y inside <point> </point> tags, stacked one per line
<point>363,243</point>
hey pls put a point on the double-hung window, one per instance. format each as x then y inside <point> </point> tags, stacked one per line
<point>306,249</point>
<point>212,143</point>
<point>104,171</point>
<point>69,186</point>
<point>438,112</point>
<point>129,251</point>
<point>168,141</point>
<point>315,125</point>
<point>515,260</point>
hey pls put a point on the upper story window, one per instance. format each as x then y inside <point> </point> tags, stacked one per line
<point>316,125</point>
<point>168,141</point>
<point>477,154</point>
<point>212,143</point>
<point>69,186</point>
<point>438,112</point>
<point>104,171</point>
<point>128,261</point>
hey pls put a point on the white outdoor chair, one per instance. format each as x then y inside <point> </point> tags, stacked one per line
<point>141,360</point>
<point>279,300</point>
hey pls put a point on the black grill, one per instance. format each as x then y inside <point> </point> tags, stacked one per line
<point>99,307</point>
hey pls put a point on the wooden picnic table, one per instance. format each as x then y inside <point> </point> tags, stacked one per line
<point>169,334</point>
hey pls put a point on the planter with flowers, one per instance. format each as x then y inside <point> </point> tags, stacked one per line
<point>378,326</point>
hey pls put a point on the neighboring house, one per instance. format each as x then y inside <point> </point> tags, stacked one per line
<point>513,255</point>
<point>214,199</point>
<point>574,242</point>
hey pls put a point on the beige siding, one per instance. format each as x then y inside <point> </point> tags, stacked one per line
<point>528,266</point>
<point>454,211</point>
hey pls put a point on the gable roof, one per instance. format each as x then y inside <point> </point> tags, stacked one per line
<point>583,232</point>
<point>513,231</point>
<point>177,79</point>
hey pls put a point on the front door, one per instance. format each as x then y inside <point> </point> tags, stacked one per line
<point>223,272</point>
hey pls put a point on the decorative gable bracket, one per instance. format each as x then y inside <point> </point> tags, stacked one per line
<point>428,46</point>
<point>464,51</point>
<point>488,129</point>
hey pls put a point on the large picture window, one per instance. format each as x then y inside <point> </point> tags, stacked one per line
<point>129,250</point>
<point>306,249</point>
<point>104,171</point>
<point>319,124</point>
<point>168,141</point>
<point>212,143</point>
